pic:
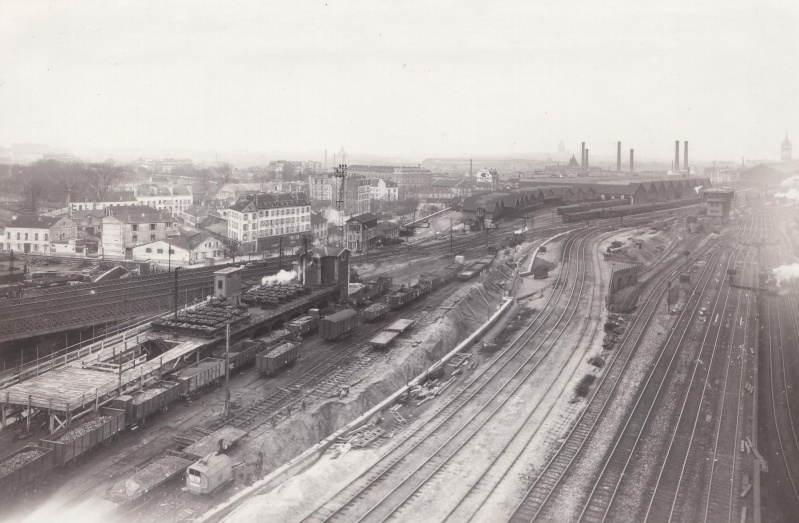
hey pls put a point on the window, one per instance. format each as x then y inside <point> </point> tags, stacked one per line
<point>26,235</point>
<point>134,227</point>
<point>148,250</point>
<point>36,236</point>
<point>171,251</point>
<point>18,236</point>
<point>152,226</point>
<point>35,246</point>
<point>160,251</point>
<point>219,284</point>
<point>135,238</point>
<point>45,237</point>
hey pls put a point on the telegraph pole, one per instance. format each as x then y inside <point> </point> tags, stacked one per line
<point>227,371</point>
<point>450,237</point>
<point>176,292</point>
<point>340,173</point>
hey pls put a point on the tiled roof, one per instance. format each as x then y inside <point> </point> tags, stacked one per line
<point>32,221</point>
<point>139,214</point>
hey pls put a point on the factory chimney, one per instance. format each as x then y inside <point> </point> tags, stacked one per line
<point>618,157</point>
<point>676,156</point>
<point>685,158</point>
<point>582,156</point>
<point>632,160</point>
<point>586,159</point>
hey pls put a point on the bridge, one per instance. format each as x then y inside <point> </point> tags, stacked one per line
<point>84,305</point>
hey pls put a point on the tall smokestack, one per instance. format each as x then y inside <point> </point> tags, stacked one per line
<point>582,156</point>
<point>586,159</point>
<point>676,156</point>
<point>685,157</point>
<point>618,157</point>
<point>632,160</point>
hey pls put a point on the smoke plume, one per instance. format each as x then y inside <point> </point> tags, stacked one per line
<point>332,215</point>
<point>698,188</point>
<point>281,277</point>
<point>786,272</point>
<point>790,194</point>
<point>790,183</point>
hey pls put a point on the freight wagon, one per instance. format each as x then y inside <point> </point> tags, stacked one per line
<point>399,298</point>
<point>242,353</point>
<point>199,375</point>
<point>628,210</point>
<point>148,478</point>
<point>300,327</point>
<point>275,338</point>
<point>146,402</point>
<point>339,324</point>
<point>24,468</point>
<point>69,443</point>
<point>375,311</point>
<point>587,206</point>
<point>270,361</point>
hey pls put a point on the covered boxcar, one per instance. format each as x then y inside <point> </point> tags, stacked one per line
<point>339,324</point>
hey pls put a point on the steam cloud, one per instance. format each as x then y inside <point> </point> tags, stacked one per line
<point>281,277</point>
<point>786,272</point>
<point>790,183</point>
<point>332,215</point>
<point>790,194</point>
<point>698,188</point>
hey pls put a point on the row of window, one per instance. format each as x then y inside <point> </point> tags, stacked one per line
<point>153,226</point>
<point>277,231</point>
<point>278,212</point>
<point>19,247</point>
<point>35,236</point>
<point>149,250</point>
<point>136,238</point>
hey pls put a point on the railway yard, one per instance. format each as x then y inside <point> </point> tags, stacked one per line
<point>609,363</point>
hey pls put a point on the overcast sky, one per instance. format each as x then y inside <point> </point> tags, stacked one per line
<point>406,78</point>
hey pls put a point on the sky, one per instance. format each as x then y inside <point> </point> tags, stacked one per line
<point>413,78</point>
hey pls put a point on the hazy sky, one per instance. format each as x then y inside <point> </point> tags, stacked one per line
<point>409,78</point>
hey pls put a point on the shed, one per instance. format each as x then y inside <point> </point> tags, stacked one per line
<point>541,272</point>
<point>227,282</point>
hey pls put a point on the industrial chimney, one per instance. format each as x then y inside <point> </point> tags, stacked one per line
<point>676,156</point>
<point>582,156</point>
<point>632,160</point>
<point>586,159</point>
<point>618,157</point>
<point>685,158</point>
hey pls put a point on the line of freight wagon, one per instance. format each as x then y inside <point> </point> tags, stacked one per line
<point>587,206</point>
<point>271,352</point>
<point>628,210</point>
<point>28,466</point>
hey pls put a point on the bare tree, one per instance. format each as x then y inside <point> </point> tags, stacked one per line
<point>31,190</point>
<point>232,249</point>
<point>224,172</point>
<point>101,177</point>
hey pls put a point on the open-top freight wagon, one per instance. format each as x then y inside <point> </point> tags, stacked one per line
<point>23,469</point>
<point>242,353</point>
<point>302,326</point>
<point>141,404</point>
<point>375,311</point>
<point>399,298</point>
<point>272,360</point>
<point>204,373</point>
<point>338,325</point>
<point>69,443</point>
<point>274,338</point>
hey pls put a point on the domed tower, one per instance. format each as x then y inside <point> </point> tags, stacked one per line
<point>787,150</point>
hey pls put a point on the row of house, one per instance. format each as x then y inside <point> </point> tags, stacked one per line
<point>259,221</point>
<point>174,199</point>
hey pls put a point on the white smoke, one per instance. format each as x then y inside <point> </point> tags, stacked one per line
<point>790,194</point>
<point>281,277</point>
<point>698,188</point>
<point>332,215</point>
<point>790,183</point>
<point>786,272</point>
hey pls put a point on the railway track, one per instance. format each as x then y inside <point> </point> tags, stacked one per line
<point>550,479</point>
<point>487,392</point>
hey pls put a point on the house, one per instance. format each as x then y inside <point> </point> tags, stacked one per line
<point>386,230</point>
<point>188,247</point>
<point>319,228</point>
<point>360,231</point>
<point>70,247</point>
<point>540,272</point>
<point>29,233</point>
<point>127,227</point>
<point>64,229</point>
<point>385,190</point>
<point>259,221</point>
<point>174,199</point>
<point>89,202</point>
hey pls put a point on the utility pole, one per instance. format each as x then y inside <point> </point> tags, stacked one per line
<point>409,265</point>
<point>280,256</point>
<point>340,173</point>
<point>450,237</point>
<point>226,412</point>
<point>169,257</point>
<point>176,292</point>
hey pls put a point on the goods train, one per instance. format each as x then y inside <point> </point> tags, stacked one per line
<point>627,210</point>
<point>270,353</point>
<point>587,206</point>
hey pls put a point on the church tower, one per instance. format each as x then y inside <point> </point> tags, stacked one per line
<point>787,150</point>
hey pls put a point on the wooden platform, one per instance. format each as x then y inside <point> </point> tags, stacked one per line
<point>69,388</point>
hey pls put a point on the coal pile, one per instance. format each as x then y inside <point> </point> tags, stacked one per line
<point>78,432</point>
<point>18,460</point>
<point>270,296</point>
<point>205,321</point>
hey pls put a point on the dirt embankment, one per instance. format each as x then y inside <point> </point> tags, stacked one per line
<point>438,334</point>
